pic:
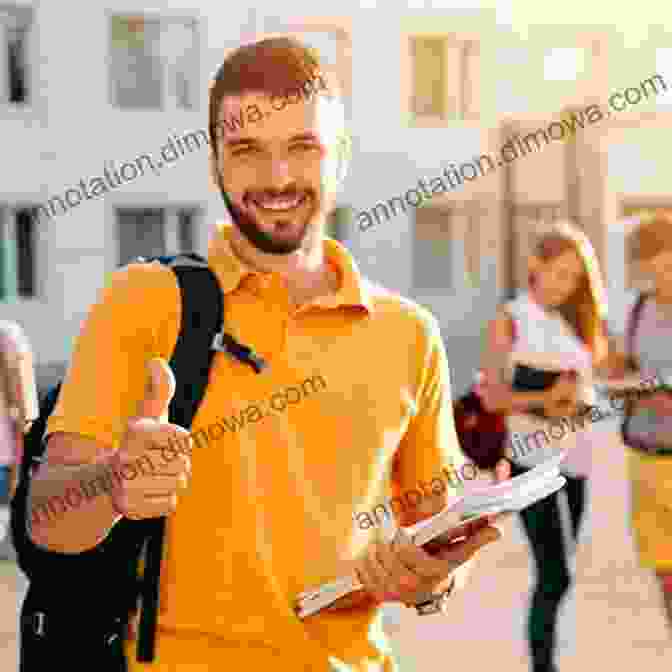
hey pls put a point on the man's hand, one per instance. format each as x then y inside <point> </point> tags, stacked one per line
<point>434,550</point>
<point>144,450</point>
<point>401,571</point>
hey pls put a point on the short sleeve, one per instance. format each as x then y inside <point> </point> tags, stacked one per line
<point>430,443</point>
<point>135,318</point>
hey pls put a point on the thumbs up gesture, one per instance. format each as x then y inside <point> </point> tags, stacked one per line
<point>154,478</point>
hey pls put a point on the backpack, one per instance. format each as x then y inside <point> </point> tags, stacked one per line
<point>76,612</point>
<point>482,433</point>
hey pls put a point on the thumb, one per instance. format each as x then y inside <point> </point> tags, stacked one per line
<point>159,390</point>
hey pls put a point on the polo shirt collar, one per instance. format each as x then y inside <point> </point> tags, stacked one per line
<point>354,290</point>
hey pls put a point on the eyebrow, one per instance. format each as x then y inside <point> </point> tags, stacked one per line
<point>301,137</point>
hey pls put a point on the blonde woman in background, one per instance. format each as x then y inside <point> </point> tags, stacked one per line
<point>18,402</point>
<point>647,430</point>
<point>556,325</point>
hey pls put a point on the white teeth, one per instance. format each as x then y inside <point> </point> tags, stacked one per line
<point>280,204</point>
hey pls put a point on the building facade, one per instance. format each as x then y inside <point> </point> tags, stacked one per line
<point>103,110</point>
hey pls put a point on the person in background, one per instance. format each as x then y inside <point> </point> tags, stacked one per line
<point>648,437</point>
<point>18,407</point>
<point>7,450</point>
<point>556,325</point>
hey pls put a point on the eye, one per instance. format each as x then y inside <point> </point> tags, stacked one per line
<point>243,151</point>
<point>303,147</point>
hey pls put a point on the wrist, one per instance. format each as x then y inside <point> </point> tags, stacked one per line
<point>437,602</point>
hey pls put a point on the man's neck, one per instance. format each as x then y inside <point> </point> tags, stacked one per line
<point>306,272</point>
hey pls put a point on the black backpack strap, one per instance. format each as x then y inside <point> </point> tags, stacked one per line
<point>202,318</point>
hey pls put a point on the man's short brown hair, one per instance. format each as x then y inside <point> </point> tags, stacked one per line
<point>652,236</point>
<point>273,66</point>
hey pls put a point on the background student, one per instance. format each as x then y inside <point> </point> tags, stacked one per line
<point>648,431</point>
<point>18,406</point>
<point>557,324</point>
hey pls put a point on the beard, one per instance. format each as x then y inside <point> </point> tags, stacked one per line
<point>265,242</point>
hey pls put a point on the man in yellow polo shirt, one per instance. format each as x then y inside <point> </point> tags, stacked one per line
<point>354,405</point>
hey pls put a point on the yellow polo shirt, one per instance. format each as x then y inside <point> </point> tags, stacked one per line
<point>355,401</point>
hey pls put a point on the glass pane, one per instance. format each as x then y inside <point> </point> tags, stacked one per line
<point>432,249</point>
<point>141,233</point>
<point>178,51</point>
<point>186,220</point>
<point>135,62</point>
<point>16,61</point>
<point>429,77</point>
<point>25,247</point>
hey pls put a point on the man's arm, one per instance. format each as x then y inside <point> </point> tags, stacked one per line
<point>70,461</point>
<point>104,386</point>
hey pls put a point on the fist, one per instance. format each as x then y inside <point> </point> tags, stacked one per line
<point>147,450</point>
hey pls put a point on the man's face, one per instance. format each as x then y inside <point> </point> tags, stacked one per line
<point>280,167</point>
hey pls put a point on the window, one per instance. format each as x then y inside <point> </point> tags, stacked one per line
<point>447,247</point>
<point>15,25</point>
<point>429,77</point>
<point>153,62</point>
<point>433,249</point>
<point>331,40</point>
<point>151,232</point>
<point>186,231</point>
<point>17,252</point>
<point>443,74</point>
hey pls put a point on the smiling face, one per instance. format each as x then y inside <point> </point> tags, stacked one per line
<point>281,174</point>
<point>558,278</point>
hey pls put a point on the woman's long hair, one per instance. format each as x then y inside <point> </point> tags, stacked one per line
<point>586,309</point>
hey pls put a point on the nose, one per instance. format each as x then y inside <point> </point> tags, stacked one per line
<point>278,175</point>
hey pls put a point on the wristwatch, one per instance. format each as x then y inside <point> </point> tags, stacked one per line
<point>436,603</point>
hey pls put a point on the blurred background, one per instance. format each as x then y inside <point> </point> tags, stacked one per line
<point>86,87</point>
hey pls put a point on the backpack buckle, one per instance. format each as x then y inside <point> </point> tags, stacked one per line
<point>38,622</point>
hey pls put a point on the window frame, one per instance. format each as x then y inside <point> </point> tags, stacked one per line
<point>338,27</point>
<point>185,16</point>
<point>140,202</point>
<point>460,102</point>
<point>8,225</point>
<point>30,53</point>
